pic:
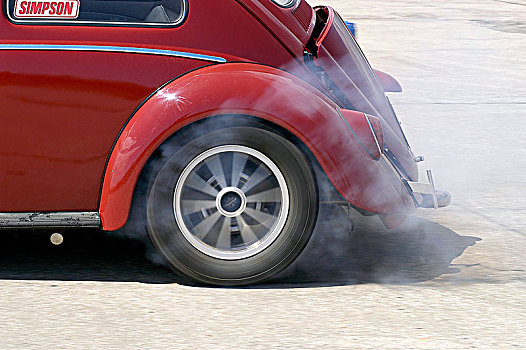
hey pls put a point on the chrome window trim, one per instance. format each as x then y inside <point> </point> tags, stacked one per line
<point>290,4</point>
<point>180,20</point>
<point>124,49</point>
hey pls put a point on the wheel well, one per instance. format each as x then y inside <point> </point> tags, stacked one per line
<point>327,194</point>
<point>326,191</point>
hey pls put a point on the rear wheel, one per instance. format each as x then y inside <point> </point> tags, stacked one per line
<point>232,206</point>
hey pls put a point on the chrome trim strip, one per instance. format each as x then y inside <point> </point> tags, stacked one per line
<point>49,220</point>
<point>372,132</point>
<point>289,4</point>
<point>391,166</point>
<point>125,49</point>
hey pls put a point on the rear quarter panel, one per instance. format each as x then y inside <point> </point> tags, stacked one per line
<point>262,92</point>
<point>63,110</point>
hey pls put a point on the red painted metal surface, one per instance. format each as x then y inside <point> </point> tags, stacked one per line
<point>262,92</point>
<point>60,119</point>
<point>389,83</point>
<point>286,28</point>
<point>344,62</point>
<point>63,111</point>
<point>361,126</point>
<point>304,14</point>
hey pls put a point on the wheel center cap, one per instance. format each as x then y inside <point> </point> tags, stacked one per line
<point>231,201</point>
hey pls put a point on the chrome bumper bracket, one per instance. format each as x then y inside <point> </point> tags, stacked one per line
<point>425,188</point>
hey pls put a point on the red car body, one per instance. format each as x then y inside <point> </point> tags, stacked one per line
<point>80,117</point>
<point>92,97</point>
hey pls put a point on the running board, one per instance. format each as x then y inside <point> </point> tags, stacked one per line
<point>49,220</point>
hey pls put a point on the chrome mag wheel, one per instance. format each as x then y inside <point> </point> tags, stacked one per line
<point>229,205</point>
<point>231,202</point>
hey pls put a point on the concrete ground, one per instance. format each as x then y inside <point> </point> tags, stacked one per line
<point>451,278</point>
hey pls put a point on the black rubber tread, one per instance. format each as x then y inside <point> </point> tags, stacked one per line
<point>179,254</point>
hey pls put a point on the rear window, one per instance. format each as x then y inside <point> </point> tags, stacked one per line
<point>142,12</point>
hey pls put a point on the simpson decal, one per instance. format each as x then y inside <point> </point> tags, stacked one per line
<point>47,9</point>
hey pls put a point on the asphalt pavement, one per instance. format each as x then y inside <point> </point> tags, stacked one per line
<point>449,278</point>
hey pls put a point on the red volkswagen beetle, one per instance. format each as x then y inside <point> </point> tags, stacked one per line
<point>217,128</point>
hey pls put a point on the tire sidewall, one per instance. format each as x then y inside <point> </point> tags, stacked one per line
<point>183,256</point>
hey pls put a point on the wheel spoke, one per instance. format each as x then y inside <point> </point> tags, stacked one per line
<point>204,227</point>
<point>229,202</point>
<point>225,235</point>
<point>191,205</point>
<point>246,231</point>
<point>273,195</point>
<point>238,164</point>
<point>216,168</point>
<point>259,216</point>
<point>257,176</point>
<point>198,184</point>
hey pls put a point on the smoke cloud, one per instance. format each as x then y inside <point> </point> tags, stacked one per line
<point>418,250</point>
<point>346,247</point>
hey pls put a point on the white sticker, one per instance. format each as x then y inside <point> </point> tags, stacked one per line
<point>47,9</point>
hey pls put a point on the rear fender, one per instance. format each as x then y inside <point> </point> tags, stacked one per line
<point>262,92</point>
